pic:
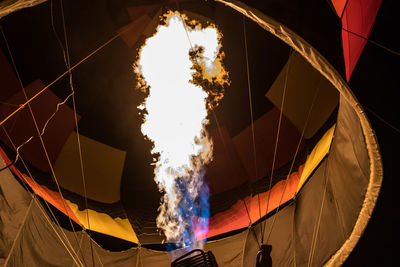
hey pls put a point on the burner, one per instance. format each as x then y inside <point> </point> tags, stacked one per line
<point>199,259</point>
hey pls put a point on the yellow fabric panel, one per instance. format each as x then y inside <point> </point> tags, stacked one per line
<point>103,223</point>
<point>303,83</point>
<point>103,167</point>
<point>316,156</point>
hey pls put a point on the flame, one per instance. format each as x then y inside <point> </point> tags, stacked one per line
<point>173,64</point>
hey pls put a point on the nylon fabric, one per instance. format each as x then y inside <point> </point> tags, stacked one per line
<point>105,224</point>
<point>324,67</point>
<point>316,156</point>
<point>14,202</point>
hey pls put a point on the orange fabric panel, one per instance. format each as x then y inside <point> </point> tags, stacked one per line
<point>229,220</point>
<point>9,82</point>
<point>278,195</point>
<point>21,127</point>
<point>226,170</point>
<point>130,33</point>
<point>265,129</point>
<point>236,217</point>
<point>54,198</point>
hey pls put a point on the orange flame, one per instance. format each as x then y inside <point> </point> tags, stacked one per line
<point>181,68</point>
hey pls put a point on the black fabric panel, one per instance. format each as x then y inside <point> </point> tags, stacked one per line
<point>266,55</point>
<point>314,20</point>
<point>375,82</point>
<point>14,203</point>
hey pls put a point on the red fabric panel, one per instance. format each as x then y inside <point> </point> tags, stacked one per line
<point>8,80</point>
<point>352,48</point>
<point>265,129</point>
<point>130,33</point>
<point>54,198</point>
<point>226,170</point>
<point>20,127</point>
<point>236,217</point>
<point>339,6</point>
<point>136,11</point>
<point>358,17</point>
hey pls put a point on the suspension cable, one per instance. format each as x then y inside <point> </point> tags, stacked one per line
<point>38,132</point>
<point>75,257</point>
<point>294,158</point>
<point>277,140</point>
<point>66,56</point>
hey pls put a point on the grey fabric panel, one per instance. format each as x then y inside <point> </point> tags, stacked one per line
<point>228,251</point>
<point>349,166</point>
<point>14,202</point>
<point>103,257</point>
<point>317,227</point>
<point>301,218</point>
<point>339,184</point>
<point>39,245</point>
<point>9,6</point>
<point>251,247</point>
<point>280,239</point>
<point>153,258</point>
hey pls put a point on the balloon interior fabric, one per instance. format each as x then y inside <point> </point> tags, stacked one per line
<point>295,162</point>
